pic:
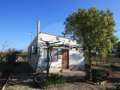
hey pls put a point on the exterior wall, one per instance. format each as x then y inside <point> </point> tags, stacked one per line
<point>76,60</point>
<point>33,56</point>
<point>55,65</point>
<point>42,61</point>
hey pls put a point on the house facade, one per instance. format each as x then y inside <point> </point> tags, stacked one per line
<point>64,53</point>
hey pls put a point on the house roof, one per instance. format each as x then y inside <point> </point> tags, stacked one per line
<point>63,41</point>
<point>56,35</point>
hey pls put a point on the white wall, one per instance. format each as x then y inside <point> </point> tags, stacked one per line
<point>76,59</point>
<point>55,66</point>
<point>33,58</point>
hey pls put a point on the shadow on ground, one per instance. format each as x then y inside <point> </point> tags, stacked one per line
<point>22,74</point>
<point>21,67</point>
<point>115,68</point>
<point>27,80</point>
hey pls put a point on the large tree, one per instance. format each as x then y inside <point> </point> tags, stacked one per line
<point>116,49</point>
<point>94,28</point>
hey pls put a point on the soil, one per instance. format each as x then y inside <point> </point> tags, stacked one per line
<point>66,86</point>
<point>74,80</point>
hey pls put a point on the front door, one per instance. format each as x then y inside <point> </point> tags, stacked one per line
<point>65,58</point>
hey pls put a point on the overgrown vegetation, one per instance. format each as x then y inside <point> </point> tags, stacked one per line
<point>11,55</point>
<point>94,29</point>
<point>116,50</point>
<point>53,79</point>
<point>99,75</point>
<point>117,87</point>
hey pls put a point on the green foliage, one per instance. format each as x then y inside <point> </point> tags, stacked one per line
<point>117,49</point>
<point>11,55</point>
<point>94,28</point>
<point>110,88</point>
<point>117,87</point>
<point>53,79</point>
<point>23,54</point>
<point>99,75</point>
<point>2,57</point>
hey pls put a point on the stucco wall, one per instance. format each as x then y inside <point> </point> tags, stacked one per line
<point>76,62</point>
<point>33,57</point>
<point>76,59</point>
<point>55,66</point>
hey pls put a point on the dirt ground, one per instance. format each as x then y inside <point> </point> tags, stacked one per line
<point>22,79</point>
<point>74,80</point>
<point>66,86</point>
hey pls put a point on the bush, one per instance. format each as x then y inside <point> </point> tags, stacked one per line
<point>110,89</point>
<point>53,79</point>
<point>99,75</point>
<point>117,87</point>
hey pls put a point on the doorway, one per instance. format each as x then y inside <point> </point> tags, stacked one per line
<point>65,58</point>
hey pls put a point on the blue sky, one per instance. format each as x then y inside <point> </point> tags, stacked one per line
<point>18,17</point>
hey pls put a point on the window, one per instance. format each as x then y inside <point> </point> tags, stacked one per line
<point>54,55</point>
<point>45,53</point>
<point>29,52</point>
<point>34,50</point>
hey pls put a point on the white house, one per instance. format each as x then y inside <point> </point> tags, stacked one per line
<point>64,53</point>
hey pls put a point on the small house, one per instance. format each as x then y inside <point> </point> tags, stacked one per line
<point>64,53</point>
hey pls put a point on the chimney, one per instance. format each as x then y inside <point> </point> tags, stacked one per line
<point>38,26</point>
<point>37,32</point>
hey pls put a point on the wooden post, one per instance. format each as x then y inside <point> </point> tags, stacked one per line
<point>48,58</point>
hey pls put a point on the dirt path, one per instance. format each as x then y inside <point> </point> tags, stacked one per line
<point>75,86</point>
<point>73,81</point>
<point>66,86</point>
<point>21,82</point>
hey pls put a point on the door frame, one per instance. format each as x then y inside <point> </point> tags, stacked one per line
<point>64,51</point>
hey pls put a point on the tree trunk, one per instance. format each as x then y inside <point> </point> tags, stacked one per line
<point>89,72</point>
<point>48,58</point>
<point>48,61</point>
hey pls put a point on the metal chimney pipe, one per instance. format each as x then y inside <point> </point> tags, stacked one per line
<point>38,26</point>
<point>38,29</point>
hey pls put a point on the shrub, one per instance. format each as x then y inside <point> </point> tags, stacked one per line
<point>118,87</point>
<point>99,75</point>
<point>110,89</point>
<point>53,79</point>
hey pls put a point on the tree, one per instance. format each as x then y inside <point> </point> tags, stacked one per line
<point>94,29</point>
<point>11,55</point>
<point>2,51</point>
<point>116,49</point>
